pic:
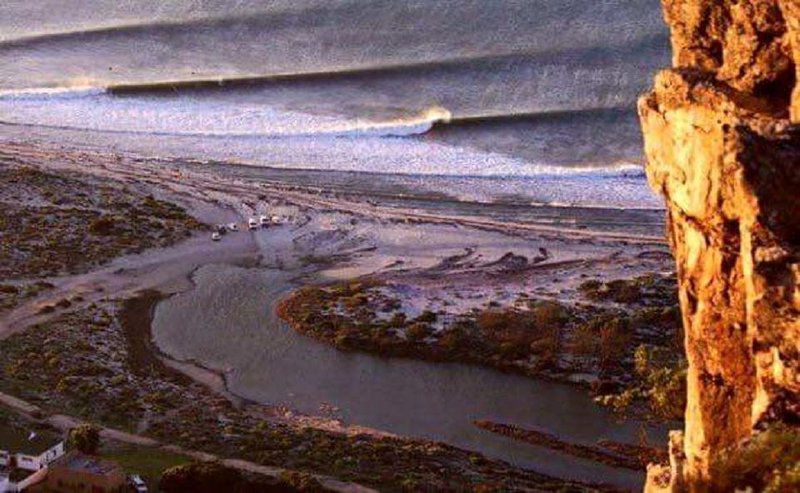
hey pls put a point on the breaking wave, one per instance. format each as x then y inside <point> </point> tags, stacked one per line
<point>95,108</point>
<point>45,93</point>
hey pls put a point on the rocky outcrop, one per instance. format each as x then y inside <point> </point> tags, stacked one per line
<point>743,43</point>
<point>722,150</point>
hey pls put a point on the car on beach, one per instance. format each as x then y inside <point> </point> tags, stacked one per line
<point>233,227</point>
<point>252,223</point>
<point>264,221</point>
<point>216,236</point>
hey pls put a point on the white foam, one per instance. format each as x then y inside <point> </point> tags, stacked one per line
<point>260,135</point>
<point>91,108</point>
<point>47,93</point>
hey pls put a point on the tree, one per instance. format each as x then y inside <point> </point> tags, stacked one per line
<point>85,438</point>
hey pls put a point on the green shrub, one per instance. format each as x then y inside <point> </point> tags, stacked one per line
<point>614,341</point>
<point>518,334</point>
<point>590,285</point>
<point>199,478</point>
<point>427,317</point>
<point>301,481</point>
<point>606,337</point>
<point>85,438</point>
<point>355,301</point>
<point>418,331</point>
<point>8,289</point>
<point>620,291</point>
<point>398,320</point>
<point>768,462</point>
<point>453,339</point>
<point>104,225</point>
<point>623,291</point>
<point>660,381</point>
<point>548,314</point>
<point>514,350</point>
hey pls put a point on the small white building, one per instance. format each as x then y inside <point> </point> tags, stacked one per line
<point>29,451</point>
<point>18,484</point>
<point>24,457</point>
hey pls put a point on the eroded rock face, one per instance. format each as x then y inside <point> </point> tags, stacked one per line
<point>791,14</point>
<point>721,149</point>
<point>745,43</point>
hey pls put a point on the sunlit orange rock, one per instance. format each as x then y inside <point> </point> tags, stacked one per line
<point>723,152</point>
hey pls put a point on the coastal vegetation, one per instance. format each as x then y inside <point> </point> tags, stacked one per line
<point>356,316</point>
<point>213,477</point>
<point>75,364</point>
<point>769,462</point>
<point>660,382</point>
<point>85,438</point>
<point>648,289</point>
<point>55,224</point>
<point>625,334</point>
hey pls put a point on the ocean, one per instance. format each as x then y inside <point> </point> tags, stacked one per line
<point>478,100</point>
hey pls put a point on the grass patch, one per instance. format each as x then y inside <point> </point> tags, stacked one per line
<point>145,461</point>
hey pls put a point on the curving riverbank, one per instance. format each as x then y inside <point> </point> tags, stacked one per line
<point>573,341</point>
<point>268,362</point>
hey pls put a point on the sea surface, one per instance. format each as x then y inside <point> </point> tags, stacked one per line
<point>492,100</point>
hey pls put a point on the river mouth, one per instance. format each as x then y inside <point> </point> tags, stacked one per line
<point>227,322</point>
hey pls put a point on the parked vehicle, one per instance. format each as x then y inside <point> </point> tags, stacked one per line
<point>138,484</point>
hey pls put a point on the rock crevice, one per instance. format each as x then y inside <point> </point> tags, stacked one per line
<point>722,149</point>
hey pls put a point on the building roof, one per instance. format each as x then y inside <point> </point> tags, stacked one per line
<point>22,441</point>
<point>76,461</point>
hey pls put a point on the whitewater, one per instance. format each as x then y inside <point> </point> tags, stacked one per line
<point>523,101</point>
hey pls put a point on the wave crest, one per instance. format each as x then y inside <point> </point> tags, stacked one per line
<point>44,93</point>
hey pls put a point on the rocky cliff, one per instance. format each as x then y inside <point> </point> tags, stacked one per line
<point>722,150</point>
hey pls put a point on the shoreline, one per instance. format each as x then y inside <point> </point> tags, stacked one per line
<point>371,314</point>
<point>136,321</point>
<point>313,196</point>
